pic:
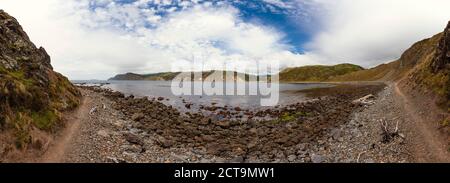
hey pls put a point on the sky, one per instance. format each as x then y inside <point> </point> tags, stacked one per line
<point>96,39</point>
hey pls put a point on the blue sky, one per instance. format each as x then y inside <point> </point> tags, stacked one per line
<point>96,39</point>
<point>291,18</point>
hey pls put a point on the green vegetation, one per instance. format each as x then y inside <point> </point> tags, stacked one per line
<point>445,122</point>
<point>317,73</point>
<point>165,76</point>
<point>32,95</point>
<point>25,103</point>
<point>288,116</point>
<point>395,70</point>
<point>45,120</point>
<point>21,127</point>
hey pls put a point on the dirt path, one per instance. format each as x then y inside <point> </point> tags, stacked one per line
<point>57,150</point>
<point>426,144</point>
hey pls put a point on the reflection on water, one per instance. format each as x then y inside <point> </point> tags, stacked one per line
<point>163,89</point>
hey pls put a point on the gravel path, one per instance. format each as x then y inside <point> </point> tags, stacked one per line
<point>360,140</point>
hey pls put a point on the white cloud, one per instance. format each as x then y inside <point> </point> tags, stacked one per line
<point>113,39</point>
<point>369,32</point>
<point>279,3</point>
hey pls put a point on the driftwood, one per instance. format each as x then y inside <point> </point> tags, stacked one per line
<point>365,101</point>
<point>387,134</point>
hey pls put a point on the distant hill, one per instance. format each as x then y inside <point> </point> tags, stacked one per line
<point>298,74</point>
<point>168,76</point>
<point>317,73</point>
<point>127,76</point>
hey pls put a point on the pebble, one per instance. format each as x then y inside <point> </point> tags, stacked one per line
<point>317,158</point>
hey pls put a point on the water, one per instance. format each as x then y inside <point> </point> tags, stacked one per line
<point>288,94</point>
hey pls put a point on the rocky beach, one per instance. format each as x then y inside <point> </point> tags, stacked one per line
<point>333,126</point>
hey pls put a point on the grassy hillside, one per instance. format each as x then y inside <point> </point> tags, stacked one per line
<point>424,66</point>
<point>164,76</point>
<point>396,69</point>
<point>433,72</point>
<point>32,95</point>
<point>317,72</point>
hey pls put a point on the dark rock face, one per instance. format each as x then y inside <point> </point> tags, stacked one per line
<point>432,71</point>
<point>442,59</point>
<point>16,48</point>
<point>31,93</point>
<point>441,63</point>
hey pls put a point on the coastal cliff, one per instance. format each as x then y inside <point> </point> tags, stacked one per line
<point>32,95</point>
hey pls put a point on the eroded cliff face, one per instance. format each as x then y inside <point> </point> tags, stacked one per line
<point>32,95</point>
<point>442,59</point>
<point>433,71</point>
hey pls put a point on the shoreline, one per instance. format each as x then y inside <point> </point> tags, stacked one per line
<point>302,132</point>
<point>332,127</point>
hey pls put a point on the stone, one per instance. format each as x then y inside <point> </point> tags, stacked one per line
<point>183,159</point>
<point>292,158</point>
<point>317,158</point>
<point>215,149</point>
<point>336,133</point>
<point>207,138</point>
<point>103,133</point>
<point>165,143</point>
<point>205,121</point>
<point>133,139</point>
<point>93,110</point>
<point>301,147</point>
<point>224,124</point>
<point>137,116</point>
<point>115,160</point>
<point>118,124</point>
<point>238,159</point>
<point>132,148</point>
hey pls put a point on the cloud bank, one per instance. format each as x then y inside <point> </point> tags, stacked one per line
<point>98,39</point>
<point>370,32</point>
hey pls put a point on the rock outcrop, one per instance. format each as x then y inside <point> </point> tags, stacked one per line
<point>433,73</point>
<point>32,95</point>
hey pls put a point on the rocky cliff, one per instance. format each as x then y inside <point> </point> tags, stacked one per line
<point>32,95</point>
<point>433,72</point>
